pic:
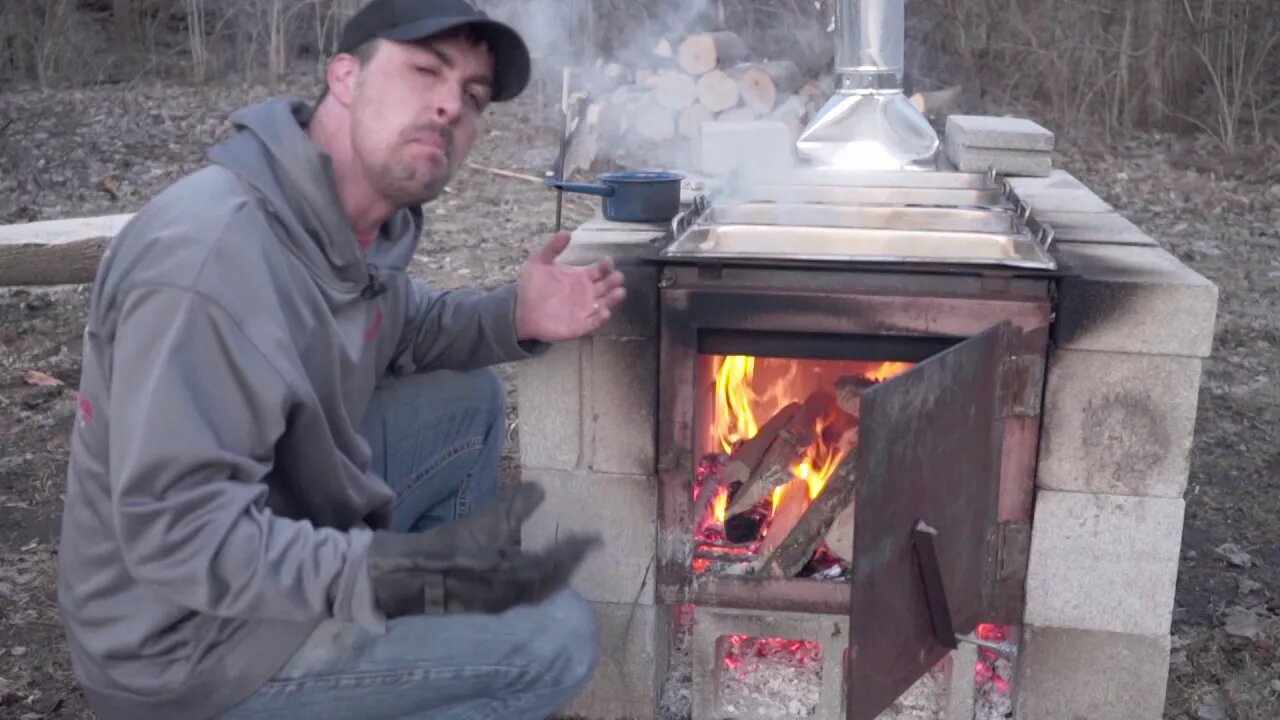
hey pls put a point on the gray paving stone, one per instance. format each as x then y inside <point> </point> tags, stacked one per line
<point>1005,133</point>
<point>1006,162</point>
<point>1098,228</point>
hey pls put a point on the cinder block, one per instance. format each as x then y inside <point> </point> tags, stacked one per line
<point>1088,674</point>
<point>1118,424</point>
<point>634,642</point>
<point>1134,299</point>
<point>624,403</point>
<point>1089,227</point>
<point>549,396</point>
<point>624,243</point>
<point>1005,133</point>
<point>608,424</point>
<point>623,509</point>
<point>1103,562</point>
<point>710,624</point>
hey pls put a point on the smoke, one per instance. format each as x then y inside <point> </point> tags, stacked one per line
<point>578,33</point>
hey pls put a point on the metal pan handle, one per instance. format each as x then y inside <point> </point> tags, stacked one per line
<point>585,188</point>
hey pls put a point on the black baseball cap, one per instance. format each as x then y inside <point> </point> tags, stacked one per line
<point>411,20</point>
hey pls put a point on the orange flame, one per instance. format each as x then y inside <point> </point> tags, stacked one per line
<point>740,405</point>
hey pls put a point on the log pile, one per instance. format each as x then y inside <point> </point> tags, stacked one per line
<point>657,106</point>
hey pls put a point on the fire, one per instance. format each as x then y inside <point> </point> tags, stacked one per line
<point>741,405</point>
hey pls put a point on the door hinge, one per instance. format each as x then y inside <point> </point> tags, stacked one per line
<point>1013,549</point>
<point>1021,386</point>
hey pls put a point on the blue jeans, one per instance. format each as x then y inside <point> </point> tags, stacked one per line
<point>437,439</point>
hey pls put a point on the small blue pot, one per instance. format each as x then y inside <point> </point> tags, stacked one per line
<point>640,197</point>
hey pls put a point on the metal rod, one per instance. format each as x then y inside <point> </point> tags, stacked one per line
<point>1007,650</point>
<point>564,142</point>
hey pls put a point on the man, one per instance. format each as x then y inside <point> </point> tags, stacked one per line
<point>253,527</point>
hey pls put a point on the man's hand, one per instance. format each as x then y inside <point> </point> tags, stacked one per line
<point>473,564</point>
<point>557,302</point>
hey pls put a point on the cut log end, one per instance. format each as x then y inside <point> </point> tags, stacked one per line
<point>704,52</point>
<point>717,91</point>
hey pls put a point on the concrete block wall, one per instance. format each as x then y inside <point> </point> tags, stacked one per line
<point>588,432</point>
<point>1133,327</point>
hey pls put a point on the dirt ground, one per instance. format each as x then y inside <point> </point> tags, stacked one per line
<point>86,152</point>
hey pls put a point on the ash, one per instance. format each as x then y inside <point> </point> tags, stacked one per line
<point>770,678</point>
<point>993,701</point>
<point>922,701</point>
<point>676,702</point>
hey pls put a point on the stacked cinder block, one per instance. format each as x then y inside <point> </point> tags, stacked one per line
<point>588,428</point>
<point>1133,327</point>
<point>1012,146</point>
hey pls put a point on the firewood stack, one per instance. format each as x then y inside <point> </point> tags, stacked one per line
<point>653,112</point>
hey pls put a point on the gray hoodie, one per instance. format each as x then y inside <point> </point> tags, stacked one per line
<point>220,501</point>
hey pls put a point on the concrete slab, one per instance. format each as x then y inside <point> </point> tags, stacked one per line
<point>1088,674</point>
<point>1134,299</point>
<point>1005,133</point>
<point>1057,180</point>
<point>622,508</point>
<point>1065,201</point>
<point>1119,424</point>
<point>1103,562</point>
<point>1094,227</point>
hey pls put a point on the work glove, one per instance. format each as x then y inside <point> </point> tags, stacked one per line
<point>472,564</point>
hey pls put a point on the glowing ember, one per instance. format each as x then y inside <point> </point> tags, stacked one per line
<point>992,675</point>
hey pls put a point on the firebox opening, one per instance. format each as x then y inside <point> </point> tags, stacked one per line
<point>772,430</point>
<point>767,677</point>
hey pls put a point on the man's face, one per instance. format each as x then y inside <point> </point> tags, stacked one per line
<point>414,114</point>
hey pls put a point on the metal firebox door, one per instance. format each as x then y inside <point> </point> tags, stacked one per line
<point>927,481</point>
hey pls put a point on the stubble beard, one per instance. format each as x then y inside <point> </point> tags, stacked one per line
<point>402,180</point>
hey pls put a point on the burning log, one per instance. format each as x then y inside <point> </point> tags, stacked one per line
<point>839,538</point>
<point>744,459</point>
<point>800,544</point>
<point>849,390</point>
<point>784,451</point>
<point>791,506</point>
<point>705,52</point>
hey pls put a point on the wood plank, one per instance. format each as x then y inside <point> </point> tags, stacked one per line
<point>56,252</point>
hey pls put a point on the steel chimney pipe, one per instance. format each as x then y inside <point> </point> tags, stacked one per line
<point>869,124</point>
<point>870,35</point>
